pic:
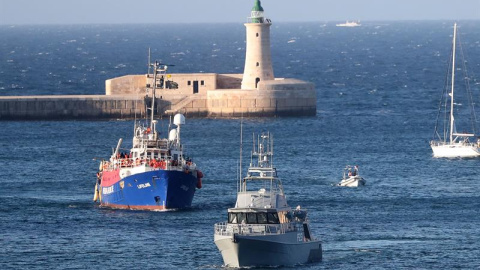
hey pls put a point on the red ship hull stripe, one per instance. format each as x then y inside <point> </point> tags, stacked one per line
<point>134,207</point>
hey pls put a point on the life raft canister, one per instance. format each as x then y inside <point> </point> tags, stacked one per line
<point>199,179</point>
<point>199,183</point>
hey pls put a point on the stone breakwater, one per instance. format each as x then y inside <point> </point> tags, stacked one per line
<point>214,104</point>
<point>69,107</point>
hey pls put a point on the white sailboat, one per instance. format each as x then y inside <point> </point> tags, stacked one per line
<point>458,144</point>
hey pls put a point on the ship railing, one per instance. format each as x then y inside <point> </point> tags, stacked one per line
<point>456,143</point>
<point>226,229</point>
<point>125,163</point>
<point>167,164</point>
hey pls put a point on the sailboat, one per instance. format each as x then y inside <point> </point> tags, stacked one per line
<point>452,144</point>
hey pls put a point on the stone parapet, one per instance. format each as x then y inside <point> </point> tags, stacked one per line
<point>70,107</point>
<point>92,107</point>
<point>126,85</point>
<point>286,84</point>
<point>234,103</point>
<point>187,83</point>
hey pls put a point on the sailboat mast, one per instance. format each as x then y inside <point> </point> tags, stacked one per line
<point>453,82</point>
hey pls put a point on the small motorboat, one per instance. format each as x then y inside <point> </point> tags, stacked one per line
<point>351,178</point>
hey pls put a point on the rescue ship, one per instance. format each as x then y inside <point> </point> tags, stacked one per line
<point>154,174</point>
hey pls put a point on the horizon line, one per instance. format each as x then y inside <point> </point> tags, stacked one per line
<point>229,22</point>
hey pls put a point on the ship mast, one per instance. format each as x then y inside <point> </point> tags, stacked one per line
<point>159,71</point>
<point>153,93</point>
<point>453,82</point>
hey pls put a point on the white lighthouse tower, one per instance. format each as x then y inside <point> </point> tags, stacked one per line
<point>258,62</point>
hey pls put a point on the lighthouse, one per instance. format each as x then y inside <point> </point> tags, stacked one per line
<point>258,62</point>
<point>255,93</point>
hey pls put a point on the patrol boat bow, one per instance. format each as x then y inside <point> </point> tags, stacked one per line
<point>154,174</point>
<point>262,230</point>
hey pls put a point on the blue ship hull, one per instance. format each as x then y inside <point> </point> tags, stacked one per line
<point>154,190</point>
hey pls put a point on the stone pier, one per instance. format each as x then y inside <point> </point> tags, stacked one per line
<point>215,103</point>
<point>83,107</point>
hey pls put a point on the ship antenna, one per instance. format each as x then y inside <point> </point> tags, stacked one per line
<point>149,63</point>
<point>241,148</point>
<point>170,124</point>
<point>135,125</point>
<point>153,94</point>
<point>253,149</point>
<point>238,182</point>
<point>259,156</point>
<point>253,142</point>
<point>271,148</point>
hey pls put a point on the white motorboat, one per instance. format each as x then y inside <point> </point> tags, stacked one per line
<point>351,178</point>
<point>450,143</point>
<point>262,230</point>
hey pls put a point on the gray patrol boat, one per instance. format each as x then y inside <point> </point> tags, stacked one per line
<point>262,230</point>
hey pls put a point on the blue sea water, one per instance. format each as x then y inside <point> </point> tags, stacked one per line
<point>378,88</point>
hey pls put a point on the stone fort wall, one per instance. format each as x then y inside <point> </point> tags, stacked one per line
<point>218,96</point>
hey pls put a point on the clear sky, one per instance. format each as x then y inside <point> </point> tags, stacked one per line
<point>199,11</point>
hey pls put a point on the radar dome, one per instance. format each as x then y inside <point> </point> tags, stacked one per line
<point>179,119</point>
<point>172,135</point>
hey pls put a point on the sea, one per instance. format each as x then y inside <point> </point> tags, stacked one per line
<point>378,91</point>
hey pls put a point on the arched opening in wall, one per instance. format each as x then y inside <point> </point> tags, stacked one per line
<point>258,64</point>
<point>257,34</point>
<point>257,80</point>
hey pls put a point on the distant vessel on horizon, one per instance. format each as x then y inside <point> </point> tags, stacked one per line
<point>450,143</point>
<point>349,24</point>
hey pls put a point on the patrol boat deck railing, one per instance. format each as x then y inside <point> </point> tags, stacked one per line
<point>225,229</point>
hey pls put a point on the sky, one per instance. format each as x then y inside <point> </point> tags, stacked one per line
<point>13,12</point>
